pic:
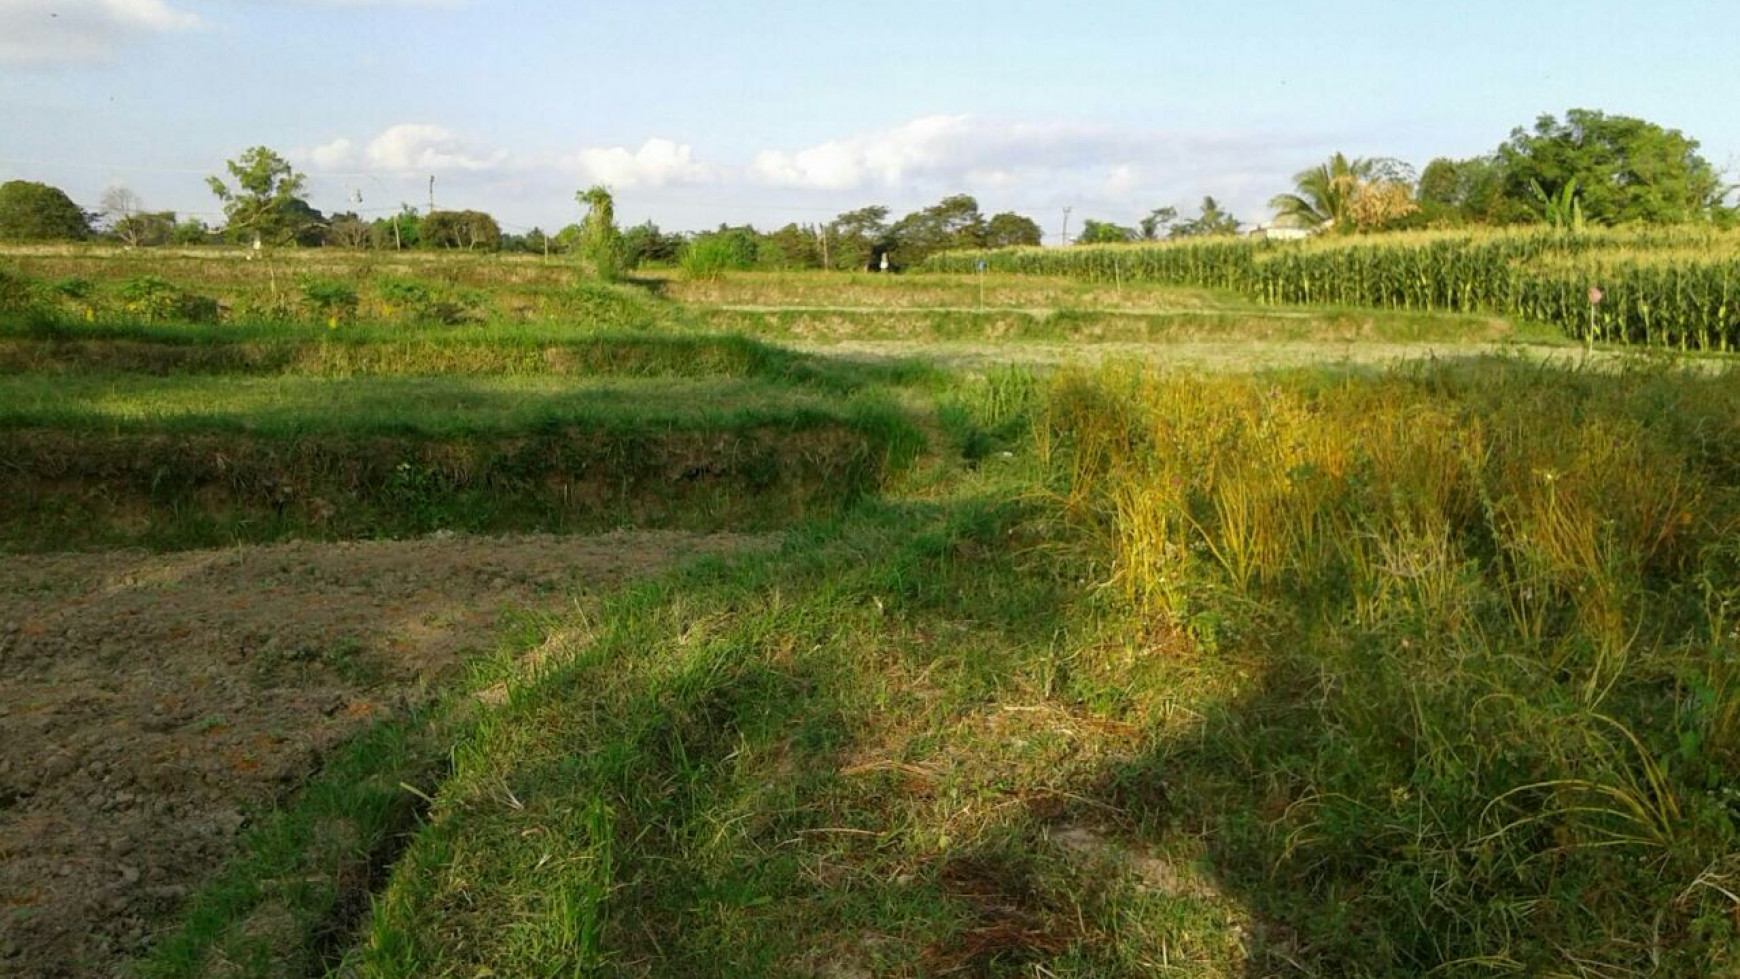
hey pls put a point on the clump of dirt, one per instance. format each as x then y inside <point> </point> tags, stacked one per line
<point>149,702</point>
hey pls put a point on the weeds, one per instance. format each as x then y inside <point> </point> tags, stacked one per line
<point>1474,622</point>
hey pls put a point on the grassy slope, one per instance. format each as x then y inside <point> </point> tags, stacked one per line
<point>285,406</point>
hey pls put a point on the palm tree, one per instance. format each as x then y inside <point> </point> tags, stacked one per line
<point>1325,193</point>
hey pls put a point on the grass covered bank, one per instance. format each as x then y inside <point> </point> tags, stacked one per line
<point>102,460</point>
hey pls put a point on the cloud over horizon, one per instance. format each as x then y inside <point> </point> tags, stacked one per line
<point>48,32</point>
<point>658,163</point>
<point>1034,167</point>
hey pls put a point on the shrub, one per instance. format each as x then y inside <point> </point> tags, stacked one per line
<point>17,293</point>
<point>73,287</point>
<point>156,300</point>
<point>329,300</point>
<point>424,302</point>
<point>712,255</point>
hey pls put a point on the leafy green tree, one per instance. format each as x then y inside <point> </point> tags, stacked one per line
<point>1009,230</point>
<point>1158,220</point>
<point>267,202</point>
<point>600,240</point>
<point>567,240</point>
<point>31,211</point>
<point>533,242</point>
<point>728,249</point>
<point>857,239</point>
<point>1472,191</point>
<point>467,230</point>
<point>191,231</point>
<point>953,222</point>
<point>1104,233</point>
<point>402,230</point>
<point>797,247</point>
<point>645,243</point>
<point>1628,169</point>
<point>1214,220</point>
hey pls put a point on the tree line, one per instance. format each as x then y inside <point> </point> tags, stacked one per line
<point>1589,168</point>
<point>265,201</point>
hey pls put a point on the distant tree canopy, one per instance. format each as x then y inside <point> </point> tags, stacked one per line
<point>1627,169</point>
<point>1009,229</point>
<point>1158,220</point>
<point>402,230</point>
<point>1588,168</point>
<point>348,231</point>
<point>467,230</point>
<point>1104,233</point>
<point>646,244</point>
<point>38,212</point>
<point>953,222</point>
<point>267,200</point>
<point>1468,191</point>
<point>144,229</point>
<point>1212,220</point>
<point>856,239</point>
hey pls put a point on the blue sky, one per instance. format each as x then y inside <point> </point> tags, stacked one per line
<point>697,113</point>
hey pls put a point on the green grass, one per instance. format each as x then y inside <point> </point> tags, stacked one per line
<point>854,757</point>
<point>1230,324</point>
<point>97,460</point>
<point>1350,675</point>
<point>436,406</point>
<point>72,347</point>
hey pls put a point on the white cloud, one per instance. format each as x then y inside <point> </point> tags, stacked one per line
<point>945,148</point>
<point>1040,165</point>
<point>658,163</point>
<point>52,31</point>
<point>333,155</point>
<point>381,3</point>
<point>422,147</point>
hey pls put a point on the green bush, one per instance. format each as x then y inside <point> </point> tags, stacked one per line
<point>712,255</point>
<point>329,300</point>
<point>17,293</point>
<point>156,300</point>
<point>424,302</point>
<point>73,287</point>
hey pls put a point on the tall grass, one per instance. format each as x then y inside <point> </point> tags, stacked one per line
<point>1678,288</point>
<point>1495,730</point>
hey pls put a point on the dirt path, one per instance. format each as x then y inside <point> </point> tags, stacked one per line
<point>148,702</point>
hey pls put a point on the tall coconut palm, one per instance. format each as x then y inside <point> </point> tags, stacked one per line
<point>1325,193</point>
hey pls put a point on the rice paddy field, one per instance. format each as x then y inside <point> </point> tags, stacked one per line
<point>1110,612</point>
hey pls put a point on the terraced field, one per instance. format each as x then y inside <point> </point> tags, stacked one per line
<point>847,625</point>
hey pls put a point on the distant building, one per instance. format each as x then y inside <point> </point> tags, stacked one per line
<point>1274,233</point>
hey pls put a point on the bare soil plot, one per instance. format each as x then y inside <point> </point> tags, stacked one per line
<point>148,702</point>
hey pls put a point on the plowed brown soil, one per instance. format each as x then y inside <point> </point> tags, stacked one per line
<point>149,702</point>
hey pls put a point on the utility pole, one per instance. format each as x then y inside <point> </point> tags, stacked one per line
<point>822,233</point>
<point>431,193</point>
<point>1066,211</point>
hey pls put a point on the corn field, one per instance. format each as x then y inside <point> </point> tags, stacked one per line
<point>1667,288</point>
